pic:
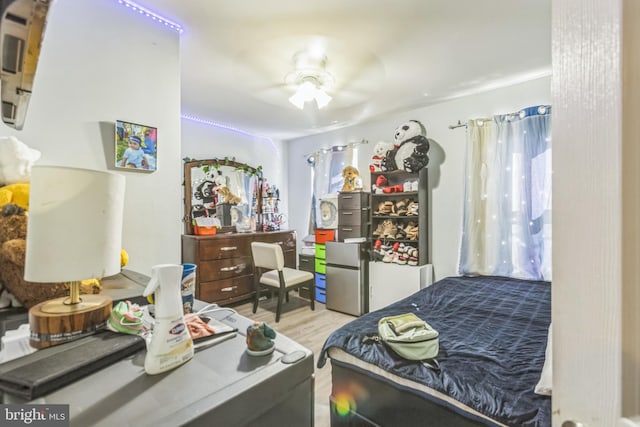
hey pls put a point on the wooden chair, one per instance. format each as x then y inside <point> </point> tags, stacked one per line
<point>271,272</point>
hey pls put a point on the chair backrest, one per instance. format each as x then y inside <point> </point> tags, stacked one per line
<point>267,255</point>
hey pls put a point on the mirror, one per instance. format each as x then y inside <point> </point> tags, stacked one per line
<point>22,24</point>
<point>221,192</point>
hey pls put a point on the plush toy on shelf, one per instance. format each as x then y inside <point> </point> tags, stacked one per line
<point>17,193</point>
<point>228,196</point>
<point>16,160</point>
<point>411,149</point>
<point>380,150</point>
<point>13,245</point>
<point>352,180</point>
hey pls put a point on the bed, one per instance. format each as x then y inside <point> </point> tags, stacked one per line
<point>493,337</point>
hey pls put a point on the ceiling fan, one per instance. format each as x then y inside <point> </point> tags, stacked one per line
<point>329,73</point>
<point>312,80</point>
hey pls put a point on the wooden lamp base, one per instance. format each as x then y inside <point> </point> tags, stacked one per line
<point>63,319</point>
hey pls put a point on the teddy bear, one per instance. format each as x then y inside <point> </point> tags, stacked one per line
<point>17,193</point>
<point>411,149</point>
<point>16,160</point>
<point>13,232</point>
<point>351,177</point>
<point>379,152</point>
<point>228,196</point>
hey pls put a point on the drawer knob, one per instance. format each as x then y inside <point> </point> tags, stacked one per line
<point>229,289</point>
<point>235,267</point>
<point>228,248</point>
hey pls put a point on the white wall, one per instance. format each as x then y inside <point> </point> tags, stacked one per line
<point>203,141</point>
<point>101,62</point>
<point>446,166</point>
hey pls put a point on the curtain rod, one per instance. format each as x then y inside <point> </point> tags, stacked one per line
<point>459,125</point>
<point>542,109</point>
<point>336,147</point>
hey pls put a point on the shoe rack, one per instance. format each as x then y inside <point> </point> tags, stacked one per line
<point>399,217</point>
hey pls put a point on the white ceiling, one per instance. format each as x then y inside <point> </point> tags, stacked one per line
<point>385,55</point>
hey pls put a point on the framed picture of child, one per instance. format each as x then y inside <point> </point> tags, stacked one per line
<point>136,146</point>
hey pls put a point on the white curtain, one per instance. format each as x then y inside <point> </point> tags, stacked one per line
<point>507,207</point>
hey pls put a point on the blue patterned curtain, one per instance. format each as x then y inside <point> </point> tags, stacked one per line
<point>507,207</point>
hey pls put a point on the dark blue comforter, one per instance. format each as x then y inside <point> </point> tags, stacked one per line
<point>493,334</point>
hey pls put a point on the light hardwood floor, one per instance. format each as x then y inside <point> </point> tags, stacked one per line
<point>308,328</point>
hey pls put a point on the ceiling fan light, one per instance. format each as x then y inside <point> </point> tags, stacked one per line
<point>307,91</point>
<point>322,98</point>
<point>297,100</point>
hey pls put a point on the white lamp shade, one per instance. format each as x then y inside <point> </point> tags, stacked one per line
<point>74,228</point>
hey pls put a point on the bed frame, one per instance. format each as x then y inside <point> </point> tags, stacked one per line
<point>365,392</point>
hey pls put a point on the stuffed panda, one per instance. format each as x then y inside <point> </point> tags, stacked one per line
<point>418,159</point>
<point>413,146</point>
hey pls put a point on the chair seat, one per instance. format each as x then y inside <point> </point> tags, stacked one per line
<point>292,277</point>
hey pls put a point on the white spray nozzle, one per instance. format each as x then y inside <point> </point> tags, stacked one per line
<point>161,271</point>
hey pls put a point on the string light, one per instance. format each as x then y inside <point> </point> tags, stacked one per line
<point>135,7</point>
<point>228,128</point>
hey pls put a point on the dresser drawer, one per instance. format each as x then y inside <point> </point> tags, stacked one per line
<point>306,263</point>
<point>286,240</point>
<point>353,231</point>
<point>353,216</point>
<point>221,290</point>
<point>224,248</point>
<point>321,251</point>
<point>224,268</point>
<point>355,200</point>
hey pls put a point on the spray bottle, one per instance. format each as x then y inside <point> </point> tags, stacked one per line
<point>171,344</point>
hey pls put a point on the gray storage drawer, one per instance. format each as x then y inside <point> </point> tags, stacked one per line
<point>352,231</point>
<point>307,263</point>
<point>354,200</point>
<point>353,216</point>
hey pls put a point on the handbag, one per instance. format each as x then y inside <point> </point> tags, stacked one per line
<point>409,337</point>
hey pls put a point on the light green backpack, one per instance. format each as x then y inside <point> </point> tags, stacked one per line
<point>410,337</point>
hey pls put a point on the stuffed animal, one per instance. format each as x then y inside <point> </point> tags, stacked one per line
<point>228,196</point>
<point>13,232</point>
<point>18,194</point>
<point>16,159</point>
<point>418,159</point>
<point>351,177</point>
<point>379,152</point>
<point>411,149</point>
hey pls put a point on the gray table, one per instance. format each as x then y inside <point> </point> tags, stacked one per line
<point>221,386</point>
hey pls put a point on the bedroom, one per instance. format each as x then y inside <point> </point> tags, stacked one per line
<point>112,57</point>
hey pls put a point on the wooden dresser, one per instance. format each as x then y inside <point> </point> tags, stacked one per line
<point>225,267</point>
